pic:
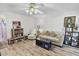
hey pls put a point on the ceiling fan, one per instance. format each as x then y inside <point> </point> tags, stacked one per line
<point>33,8</point>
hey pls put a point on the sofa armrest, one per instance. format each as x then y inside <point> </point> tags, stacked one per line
<point>61,39</point>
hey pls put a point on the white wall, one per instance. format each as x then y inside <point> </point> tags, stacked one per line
<point>52,23</point>
<point>47,21</point>
<point>27,22</point>
<point>56,23</point>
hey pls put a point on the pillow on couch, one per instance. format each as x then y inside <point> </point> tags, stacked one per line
<point>54,39</point>
<point>48,33</point>
<point>53,34</point>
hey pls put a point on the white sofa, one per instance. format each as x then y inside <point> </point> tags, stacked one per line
<point>56,38</point>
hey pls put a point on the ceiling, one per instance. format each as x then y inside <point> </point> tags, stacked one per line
<point>47,8</point>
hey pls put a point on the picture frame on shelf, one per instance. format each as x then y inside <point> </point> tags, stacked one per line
<point>67,40</point>
<point>69,29</point>
<point>74,41</point>
<point>75,34</point>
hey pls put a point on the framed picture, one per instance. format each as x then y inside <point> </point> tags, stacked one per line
<point>69,21</point>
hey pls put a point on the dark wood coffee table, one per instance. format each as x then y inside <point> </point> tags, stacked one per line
<point>45,43</point>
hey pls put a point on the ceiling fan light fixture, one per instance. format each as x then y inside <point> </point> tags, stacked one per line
<point>33,9</point>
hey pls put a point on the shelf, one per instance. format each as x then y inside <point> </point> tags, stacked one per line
<point>17,32</point>
<point>71,37</point>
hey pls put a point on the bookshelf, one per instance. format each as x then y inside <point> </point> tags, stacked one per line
<point>68,35</point>
<point>16,31</point>
<point>71,37</point>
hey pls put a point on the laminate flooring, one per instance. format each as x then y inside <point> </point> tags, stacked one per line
<point>29,48</point>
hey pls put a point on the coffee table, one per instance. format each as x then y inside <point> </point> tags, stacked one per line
<point>44,43</point>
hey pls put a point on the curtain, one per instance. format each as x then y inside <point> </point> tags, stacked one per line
<point>3,31</point>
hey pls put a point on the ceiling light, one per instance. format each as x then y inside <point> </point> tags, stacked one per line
<point>33,9</point>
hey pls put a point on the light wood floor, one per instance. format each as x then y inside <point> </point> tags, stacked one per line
<point>28,48</point>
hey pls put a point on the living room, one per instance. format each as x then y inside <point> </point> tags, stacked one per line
<point>39,22</point>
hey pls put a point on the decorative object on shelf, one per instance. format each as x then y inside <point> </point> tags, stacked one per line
<point>16,24</point>
<point>76,27</point>
<point>33,9</point>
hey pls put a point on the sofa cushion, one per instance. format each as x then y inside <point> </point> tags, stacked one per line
<point>49,37</point>
<point>48,33</point>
